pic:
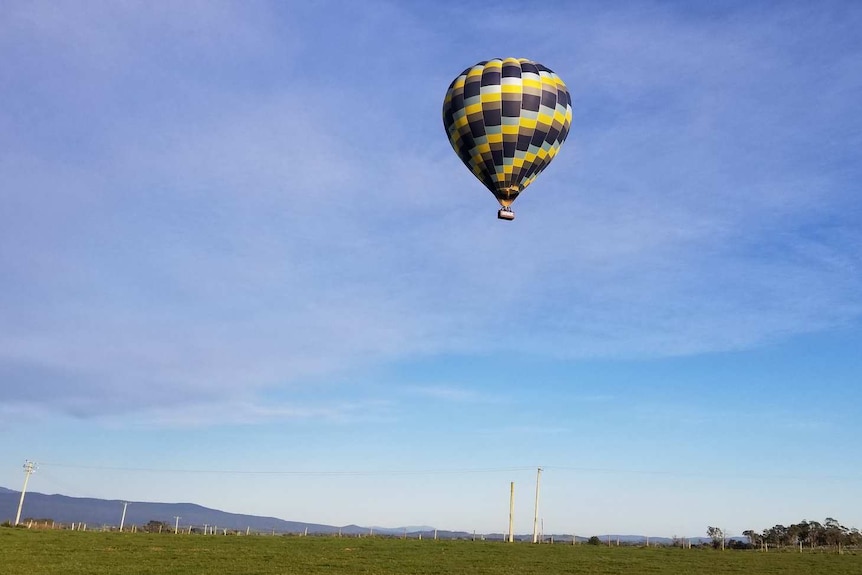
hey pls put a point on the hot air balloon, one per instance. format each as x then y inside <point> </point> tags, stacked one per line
<point>506,120</point>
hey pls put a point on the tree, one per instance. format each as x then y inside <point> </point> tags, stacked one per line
<point>816,534</point>
<point>154,526</point>
<point>594,540</point>
<point>835,533</point>
<point>801,532</point>
<point>717,536</point>
<point>754,538</point>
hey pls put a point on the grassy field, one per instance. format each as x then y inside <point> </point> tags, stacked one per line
<point>74,552</point>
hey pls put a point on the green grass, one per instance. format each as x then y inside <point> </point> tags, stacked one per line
<point>74,552</point>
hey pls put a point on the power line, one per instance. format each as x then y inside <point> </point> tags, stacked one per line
<point>704,474</point>
<point>352,473</point>
<point>459,471</point>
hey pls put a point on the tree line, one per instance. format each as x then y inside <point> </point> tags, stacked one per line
<point>812,534</point>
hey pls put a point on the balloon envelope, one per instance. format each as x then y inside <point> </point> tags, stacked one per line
<point>506,120</point>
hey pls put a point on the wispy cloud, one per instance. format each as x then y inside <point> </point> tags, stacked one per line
<point>525,430</point>
<point>246,412</point>
<point>455,394</point>
<point>727,422</point>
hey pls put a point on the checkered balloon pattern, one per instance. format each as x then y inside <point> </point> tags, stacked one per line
<point>506,120</point>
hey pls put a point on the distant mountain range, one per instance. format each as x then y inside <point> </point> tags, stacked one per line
<point>103,512</point>
<point>98,512</point>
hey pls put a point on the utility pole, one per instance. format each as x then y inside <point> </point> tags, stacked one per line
<point>29,467</point>
<point>123,518</point>
<point>177,524</point>
<point>512,512</point>
<point>536,513</point>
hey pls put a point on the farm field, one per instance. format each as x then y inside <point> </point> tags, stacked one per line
<point>94,553</point>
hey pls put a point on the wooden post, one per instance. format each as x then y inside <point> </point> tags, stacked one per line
<point>511,511</point>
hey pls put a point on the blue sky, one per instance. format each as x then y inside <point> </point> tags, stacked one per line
<point>234,237</point>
